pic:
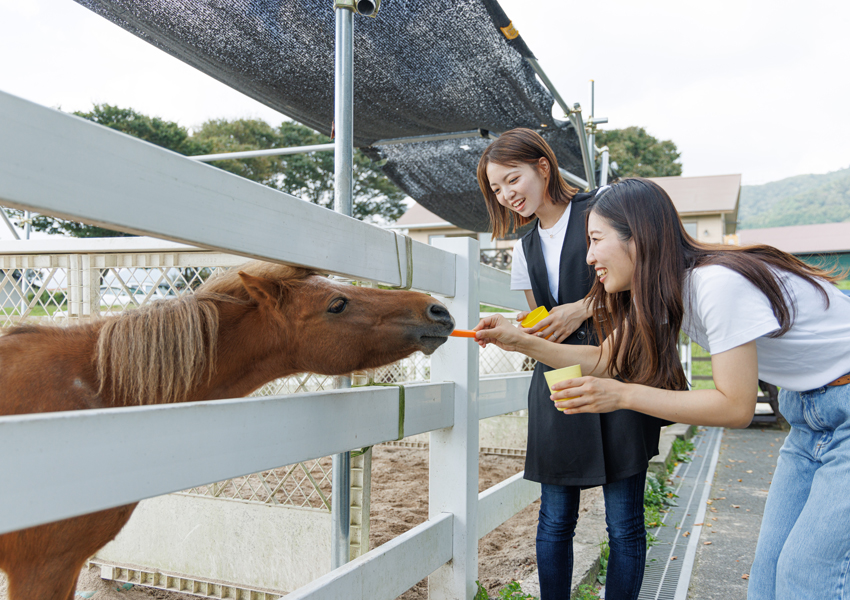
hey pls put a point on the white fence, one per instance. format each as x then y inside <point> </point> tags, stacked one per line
<point>240,546</point>
<point>58,164</point>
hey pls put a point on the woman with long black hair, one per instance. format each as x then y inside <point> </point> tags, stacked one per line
<point>762,314</point>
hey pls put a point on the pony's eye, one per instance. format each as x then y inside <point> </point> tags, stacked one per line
<point>337,306</point>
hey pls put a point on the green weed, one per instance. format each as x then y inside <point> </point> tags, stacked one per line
<point>681,448</point>
<point>586,592</point>
<point>604,553</point>
<point>512,591</point>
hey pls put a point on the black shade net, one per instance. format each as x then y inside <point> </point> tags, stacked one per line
<point>420,68</point>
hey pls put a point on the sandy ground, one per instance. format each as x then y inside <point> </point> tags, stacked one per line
<point>399,503</point>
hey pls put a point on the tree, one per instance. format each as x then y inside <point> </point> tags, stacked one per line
<point>307,176</point>
<point>638,154</point>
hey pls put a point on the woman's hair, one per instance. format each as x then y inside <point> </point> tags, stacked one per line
<point>512,148</point>
<point>649,316</point>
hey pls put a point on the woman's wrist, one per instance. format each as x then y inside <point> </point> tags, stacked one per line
<point>626,396</point>
<point>531,345</point>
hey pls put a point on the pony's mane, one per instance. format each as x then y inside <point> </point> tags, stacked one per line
<point>160,352</point>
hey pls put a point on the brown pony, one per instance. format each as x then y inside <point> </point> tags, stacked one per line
<point>239,331</point>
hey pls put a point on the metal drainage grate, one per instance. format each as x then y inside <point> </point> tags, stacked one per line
<point>670,561</point>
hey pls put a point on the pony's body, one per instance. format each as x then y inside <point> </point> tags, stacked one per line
<point>238,332</point>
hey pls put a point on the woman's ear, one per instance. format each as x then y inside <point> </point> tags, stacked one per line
<point>544,167</point>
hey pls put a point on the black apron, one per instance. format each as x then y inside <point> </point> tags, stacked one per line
<point>583,450</point>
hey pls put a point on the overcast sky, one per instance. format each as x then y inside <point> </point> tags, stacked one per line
<point>756,88</point>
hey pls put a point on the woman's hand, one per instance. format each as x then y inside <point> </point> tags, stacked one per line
<point>562,321</point>
<point>496,329</point>
<point>589,395</point>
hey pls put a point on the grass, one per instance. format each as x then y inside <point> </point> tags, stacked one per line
<point>37,311</point>
<point>844,284</point>
<point>41,311</point>
<point>494,309</point>
<point>700,367</point>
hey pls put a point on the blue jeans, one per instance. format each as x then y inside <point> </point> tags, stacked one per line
<point>804,544</point>
<point>626,534</point>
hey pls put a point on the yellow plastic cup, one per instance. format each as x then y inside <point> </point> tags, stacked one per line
<point>553,377</point>
<point>534,317</point>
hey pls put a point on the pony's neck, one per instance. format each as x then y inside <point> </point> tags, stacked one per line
<point>248,356</point>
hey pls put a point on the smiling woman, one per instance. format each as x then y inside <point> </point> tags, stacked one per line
<point>611,258</point>
<point>519,178</point>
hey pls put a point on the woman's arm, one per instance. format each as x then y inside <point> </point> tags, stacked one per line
<point>732,404</point>
<point>497,330</point>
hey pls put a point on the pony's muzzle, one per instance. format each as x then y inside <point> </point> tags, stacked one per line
<point>436,333</point>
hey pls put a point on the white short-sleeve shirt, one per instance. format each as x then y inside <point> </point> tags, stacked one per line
<point>552,242</point>
<point>723,310</point>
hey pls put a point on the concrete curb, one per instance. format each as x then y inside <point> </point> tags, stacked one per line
<point>591,528</point>
<point>659,465</point>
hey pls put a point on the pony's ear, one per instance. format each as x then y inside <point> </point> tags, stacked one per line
<point>264,291</point>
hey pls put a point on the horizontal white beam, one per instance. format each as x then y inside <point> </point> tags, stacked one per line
<point>502,501</point>
<point>494,289</point>
<point>390,570</point>
<point>152,450</point>
<point>428,406</point>
<point>501,394</point>
<point>58,164</point>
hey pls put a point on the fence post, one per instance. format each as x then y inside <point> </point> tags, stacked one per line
<point>90,286</point>
<point>75,286</point>
<point>453,469</point>
<point>361,503</point>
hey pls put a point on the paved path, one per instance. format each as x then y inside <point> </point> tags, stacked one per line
<point>745,467</point>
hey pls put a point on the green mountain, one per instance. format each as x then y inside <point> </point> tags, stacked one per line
<point>800,200</point>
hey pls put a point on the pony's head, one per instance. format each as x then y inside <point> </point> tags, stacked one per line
<point>335,328</point>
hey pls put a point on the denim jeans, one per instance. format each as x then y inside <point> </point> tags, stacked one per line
<point>626,533</point>
<point>803,549</point>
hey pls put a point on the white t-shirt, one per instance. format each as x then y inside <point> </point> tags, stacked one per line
<point>723,310</point>
<point>552,242</point>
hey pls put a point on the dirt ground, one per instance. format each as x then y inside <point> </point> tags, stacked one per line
<point>399,503</point>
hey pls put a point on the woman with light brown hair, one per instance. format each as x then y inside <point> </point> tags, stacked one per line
<point>762,314</point>
<point>519,178</point>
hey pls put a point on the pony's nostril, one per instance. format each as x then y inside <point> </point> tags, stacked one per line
<point>438,312</point>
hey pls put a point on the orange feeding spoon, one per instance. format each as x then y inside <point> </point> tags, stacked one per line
<point>467,333</point>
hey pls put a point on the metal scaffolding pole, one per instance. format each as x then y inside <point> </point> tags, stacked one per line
<point>549,85</point>
<point>603,169</point>
<point>268,152</point>
<point>578,123</point>
<point>327,147</point>
<point>574,179</point>
<point>587,156</point>
<point>343,172</point>
<point>591,135</point>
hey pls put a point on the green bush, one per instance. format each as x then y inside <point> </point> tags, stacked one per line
<point>55,298</point>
